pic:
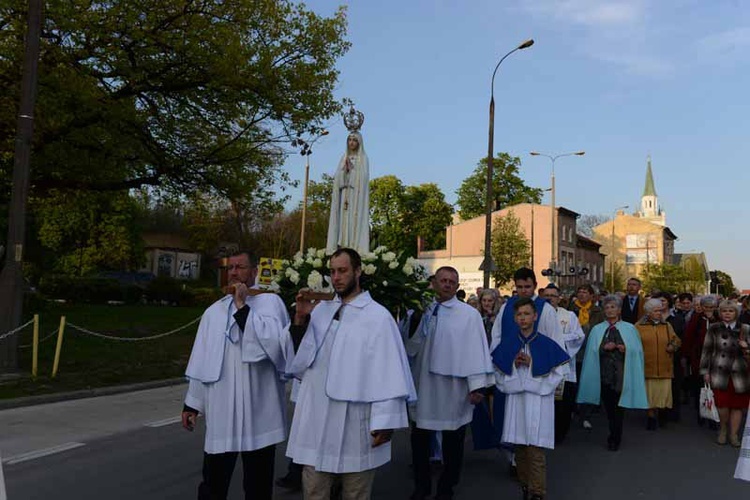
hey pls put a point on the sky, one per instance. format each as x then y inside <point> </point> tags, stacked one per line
<point>620,79</point>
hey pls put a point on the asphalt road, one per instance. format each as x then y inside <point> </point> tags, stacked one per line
<point>680,462</point>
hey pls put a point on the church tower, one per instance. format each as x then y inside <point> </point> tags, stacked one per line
<point>650,209</point>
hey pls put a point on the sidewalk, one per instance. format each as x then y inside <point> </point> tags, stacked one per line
<point>43,427</point>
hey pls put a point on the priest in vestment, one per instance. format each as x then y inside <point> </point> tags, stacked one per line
<point>451,367</point>
<point>355,385</point>
<point>349,222</point>
<point>530,366</point>
<point>235,378</point>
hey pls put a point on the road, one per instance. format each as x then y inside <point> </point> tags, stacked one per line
<point>131,446</point>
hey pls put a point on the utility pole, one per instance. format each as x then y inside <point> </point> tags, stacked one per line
<point>11,278</point>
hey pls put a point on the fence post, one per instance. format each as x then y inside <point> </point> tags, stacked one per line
<point>35,348</point>
<point>59,346</point>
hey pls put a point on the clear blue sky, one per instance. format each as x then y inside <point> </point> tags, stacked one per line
<point>619,79</point>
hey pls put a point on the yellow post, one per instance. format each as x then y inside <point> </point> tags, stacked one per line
<point>59,346</point>
<point>35,347</point>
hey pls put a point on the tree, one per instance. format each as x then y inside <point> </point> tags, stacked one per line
<point>400,214</point>
<point>507,187</point>
<point>664,277</point>
<point>387,203</point>
<point>586,223</point>
<point>187,97</point>
<point>722,283</point>
<point>510,248</point>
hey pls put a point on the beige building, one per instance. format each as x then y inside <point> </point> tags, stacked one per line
<point>633,241</point>
<point>464,247</point>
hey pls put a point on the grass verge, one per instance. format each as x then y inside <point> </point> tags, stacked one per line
<point>89,362</point>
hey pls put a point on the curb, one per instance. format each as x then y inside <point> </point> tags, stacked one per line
<point>87,393</point>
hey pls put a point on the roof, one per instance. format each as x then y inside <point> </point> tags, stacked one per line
<point>568,212</point>
<point>669,233</point>
<point>682,258</point>
<point>584,241</point>
<point>649,189</point>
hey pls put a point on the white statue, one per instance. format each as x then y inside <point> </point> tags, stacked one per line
<point>349,223</point>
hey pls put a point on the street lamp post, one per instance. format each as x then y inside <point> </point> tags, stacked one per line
<point>306,151</point>
<point>11,278</point>
<point>553,233</point>
<point>487,264</point>
<point>612,256</point>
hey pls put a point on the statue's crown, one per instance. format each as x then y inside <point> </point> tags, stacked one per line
<point>354,120</point>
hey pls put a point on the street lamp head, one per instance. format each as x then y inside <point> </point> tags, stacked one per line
<point>325,132</point>
<point>580,153</point>
<point>525,45</point>
<point>534,153</point>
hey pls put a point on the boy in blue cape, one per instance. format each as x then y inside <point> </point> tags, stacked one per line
<point>529,366</point>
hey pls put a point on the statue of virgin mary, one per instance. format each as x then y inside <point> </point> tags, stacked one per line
<point>349,223</point>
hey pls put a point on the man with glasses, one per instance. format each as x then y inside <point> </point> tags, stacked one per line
<point>573,335</point>
<point>235,368</point>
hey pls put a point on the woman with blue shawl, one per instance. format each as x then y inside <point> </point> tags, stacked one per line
<point>612,371</point>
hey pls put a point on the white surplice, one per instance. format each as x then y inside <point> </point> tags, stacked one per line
<point>573,336</point>
<point>450,359</point>
<point>530,406</point>
<point>333,419</point>
<point>235,376</point>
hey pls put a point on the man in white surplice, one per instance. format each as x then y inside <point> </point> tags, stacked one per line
<point>574,337</point>
<point>235,371</point>
<point>451,367</point>
<point>355,385</point>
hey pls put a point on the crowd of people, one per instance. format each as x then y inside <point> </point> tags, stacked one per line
<point>514,369</point>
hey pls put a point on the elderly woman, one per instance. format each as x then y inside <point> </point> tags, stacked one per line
<point>489,305</point>
<point>612,370</point>
<point>724,368</point>
<point>659,345</point>
<point>692,344</point>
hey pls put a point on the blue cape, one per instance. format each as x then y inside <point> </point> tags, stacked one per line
<point>633,383</point>
<point>512,342</point>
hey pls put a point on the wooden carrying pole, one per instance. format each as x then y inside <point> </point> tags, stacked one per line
<point>35,348</point>
<point>60,332</point>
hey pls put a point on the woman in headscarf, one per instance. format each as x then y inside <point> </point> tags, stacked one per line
<point>659,345</point>
<point>612,370</point>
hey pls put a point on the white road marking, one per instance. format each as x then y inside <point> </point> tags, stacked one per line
<point>166,421</point>
<point>23,457</point>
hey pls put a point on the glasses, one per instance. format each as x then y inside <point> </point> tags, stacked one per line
<point>239,267</point>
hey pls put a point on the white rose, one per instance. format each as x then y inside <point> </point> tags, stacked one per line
<point>393,264</point>
<point>298,261</point>
<point>369,269</point>
<point>284,262</point>
<point>369,257</point>
<point>314,280</point>
<point>317,263</point>
<point>294,278</point>
<point>289,271</point>
<point>388,256</point>
<point>297,255</point>
<point>408,269</point>
<point>275,287</point>
<point>411,261</point>
<point>321,253</point>
<point>380,249</point>
<point>310,259</point>
<point>385,283</point>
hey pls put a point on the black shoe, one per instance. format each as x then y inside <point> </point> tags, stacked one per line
<point>289,483</point>
<point>651,424</point>
<point>419,495</point>
<point>536,497</point>
<point>612,446</point>
<point>525,493</point>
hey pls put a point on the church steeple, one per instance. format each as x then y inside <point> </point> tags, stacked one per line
<point>648,189</point>
<point>650,208</point>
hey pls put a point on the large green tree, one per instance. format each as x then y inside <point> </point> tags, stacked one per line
<point>664,277</point>
<point>400,214</point>
<point>510,248</point>
<point>723,283</point>
<point>185,96</point>
<point>507,187</point>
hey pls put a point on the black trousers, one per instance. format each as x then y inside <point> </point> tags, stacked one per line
<point>563,410</point>
<point>257,468</point>
<point>453,457</point>
<point>615,414</point>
